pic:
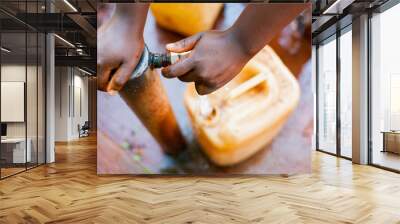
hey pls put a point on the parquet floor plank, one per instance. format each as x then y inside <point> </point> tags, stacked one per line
<point>69,191</point>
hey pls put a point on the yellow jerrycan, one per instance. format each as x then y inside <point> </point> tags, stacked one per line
<point>244,116</point>
<point>186,18</point>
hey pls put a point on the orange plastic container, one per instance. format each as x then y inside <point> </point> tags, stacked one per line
<point>245,115</point>
<point>186,18</point>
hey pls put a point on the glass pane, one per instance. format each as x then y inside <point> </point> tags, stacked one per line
<point>327,97</point>
<point>346,94</point>
<point>13,86</point>
<point>314,79</point>
<point>386,89</point>
<point>41,98</point>
<point>23,82</point>
<point>31,97</point>
<point>32,87</point>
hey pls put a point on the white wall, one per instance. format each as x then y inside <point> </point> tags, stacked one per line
<point>81,89</point>
<point>71,93</point>
<point>62,81</point>
<point>12,100</point>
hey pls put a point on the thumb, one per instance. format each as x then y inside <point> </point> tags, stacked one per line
<point>184,45</point>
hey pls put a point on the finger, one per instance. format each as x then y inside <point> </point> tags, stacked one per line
<point>203,89</point>
<point>189,77</point>
<point>179,68</point>
<point>103,78</point>
<point>186,44</point>
<point>120,77</point>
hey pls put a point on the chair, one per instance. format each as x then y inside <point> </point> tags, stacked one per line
<point>84,130</point>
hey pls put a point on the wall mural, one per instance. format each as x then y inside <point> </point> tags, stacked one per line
<point>201,106</point>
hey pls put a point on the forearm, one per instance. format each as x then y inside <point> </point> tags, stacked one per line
<point>259,23</point>
<point>134,14</point>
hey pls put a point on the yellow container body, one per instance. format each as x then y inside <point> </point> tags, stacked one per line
<point>186,18</point>
<point>247,113</point>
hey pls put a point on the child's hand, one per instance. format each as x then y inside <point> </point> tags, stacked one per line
<point>216,57</point>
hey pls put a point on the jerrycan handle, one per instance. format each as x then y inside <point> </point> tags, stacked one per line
<point>246,86</point>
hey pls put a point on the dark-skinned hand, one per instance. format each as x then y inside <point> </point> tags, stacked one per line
<point>119,47</point>
<point>216,57</point>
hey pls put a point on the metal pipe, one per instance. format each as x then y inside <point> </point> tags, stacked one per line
<point>146,96</point>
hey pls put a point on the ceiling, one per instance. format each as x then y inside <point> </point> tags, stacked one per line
<point>331,15</point>
<point>72,20</point>
<point>75,21</point>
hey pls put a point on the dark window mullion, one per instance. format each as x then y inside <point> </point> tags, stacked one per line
<point>46,3</point>
<point>37,90</point>
<point>73,92</point>
<point>26,88</point>
<point>338,82</point>
<point>317,96</point>
<point>369,96</point>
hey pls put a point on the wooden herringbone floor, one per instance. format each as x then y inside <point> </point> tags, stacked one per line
<point>69,191</point>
